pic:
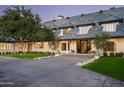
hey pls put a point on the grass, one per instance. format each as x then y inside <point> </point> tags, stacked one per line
<point>110,66</point>
<point>28,55</point>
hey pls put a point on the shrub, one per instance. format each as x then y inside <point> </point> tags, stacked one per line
<point>11,52</point>
<point>3,53</point>
<point>53,53</point>
<point>105,54</point>
<point>16,52</point>
<point>7,52</point>
<point>119,54</point>
<point>112,54</point>
<point>41,52</point>
<point>20,52</point>
<point>47,53</point>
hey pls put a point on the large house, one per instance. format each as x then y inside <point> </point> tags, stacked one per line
<point>76,34</point>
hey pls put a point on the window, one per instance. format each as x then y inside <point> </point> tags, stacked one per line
<point>84,29</point>
<point>5,46</point>
<point>109,27</point>
<point>39,45</point>
<point>64,31</point>
<point>110,46</point>
<point>8,46</point>
<point>63,46</point>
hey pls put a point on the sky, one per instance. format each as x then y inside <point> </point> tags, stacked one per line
<point>50,12</point>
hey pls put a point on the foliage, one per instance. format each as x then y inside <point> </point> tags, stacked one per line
<point>21,23</point>
<point>119,54</point>
<point>101,40</point>
<point>27,55</point>
<point>105,54</point>
<point>53,44</point>
<point>112,54</point>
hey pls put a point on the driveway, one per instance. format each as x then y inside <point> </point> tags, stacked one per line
<point>52,72</point>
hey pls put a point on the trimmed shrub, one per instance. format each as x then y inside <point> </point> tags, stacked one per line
<point>119,54</point>
<point>112,54</point>
<point>12,52</point>
<point>53,53</point>
<point>41,52</point>
<point>105,54</point>
<point>20,52</point>
<point>16,52</point>
<point>3,53</point>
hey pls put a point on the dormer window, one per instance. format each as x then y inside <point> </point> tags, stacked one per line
<point>84,29</point>
<point>64,31</point>
<point>109,27</point>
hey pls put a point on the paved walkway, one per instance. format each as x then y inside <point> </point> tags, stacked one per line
<point>51,72</point>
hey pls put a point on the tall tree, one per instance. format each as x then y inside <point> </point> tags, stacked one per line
<point>22,24</point>
<point>101,42</point>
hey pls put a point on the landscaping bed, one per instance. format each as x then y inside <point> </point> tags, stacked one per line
<point>111,66</point>
<point>28,55</point>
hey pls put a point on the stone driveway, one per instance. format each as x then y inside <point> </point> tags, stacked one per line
<point>52,72</point>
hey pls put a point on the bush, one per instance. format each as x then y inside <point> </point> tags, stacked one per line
<point>41,52</point>
<point>119,54</point>
<point>105,54</point>
<point>3,53</point>
<point>20,52</point>
<point>53,53</point>
<point>112,54</point>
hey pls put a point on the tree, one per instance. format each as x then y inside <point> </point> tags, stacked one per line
<point>21,23</point>
<point>101,42</point>
<point>50,37</point>
<point>53,45</point>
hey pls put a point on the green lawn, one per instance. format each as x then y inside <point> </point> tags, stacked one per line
<point>30,55</point>
<point>111,66</point>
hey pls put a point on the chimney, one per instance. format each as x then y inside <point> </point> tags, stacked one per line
<point>100,11</point>
<point>60,17</point>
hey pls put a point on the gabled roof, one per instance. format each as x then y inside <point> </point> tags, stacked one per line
<point>101,16</point>
<point>113,14</point>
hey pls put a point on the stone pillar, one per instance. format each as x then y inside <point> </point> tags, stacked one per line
<point>67,47</point>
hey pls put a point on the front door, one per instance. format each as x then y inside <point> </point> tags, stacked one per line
<point>85,46</point>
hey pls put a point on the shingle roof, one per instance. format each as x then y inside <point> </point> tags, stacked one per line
<point>106,15</point>
<point>96,17</point>
<point>7,39</point>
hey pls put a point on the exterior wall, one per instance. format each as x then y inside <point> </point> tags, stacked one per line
<point>119,44</point>
<point>60,47</point>
<point>71,46</point>
<point>6,47</point>
<point>45,48</point>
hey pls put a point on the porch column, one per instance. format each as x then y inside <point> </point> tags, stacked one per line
<point>67,47</point>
